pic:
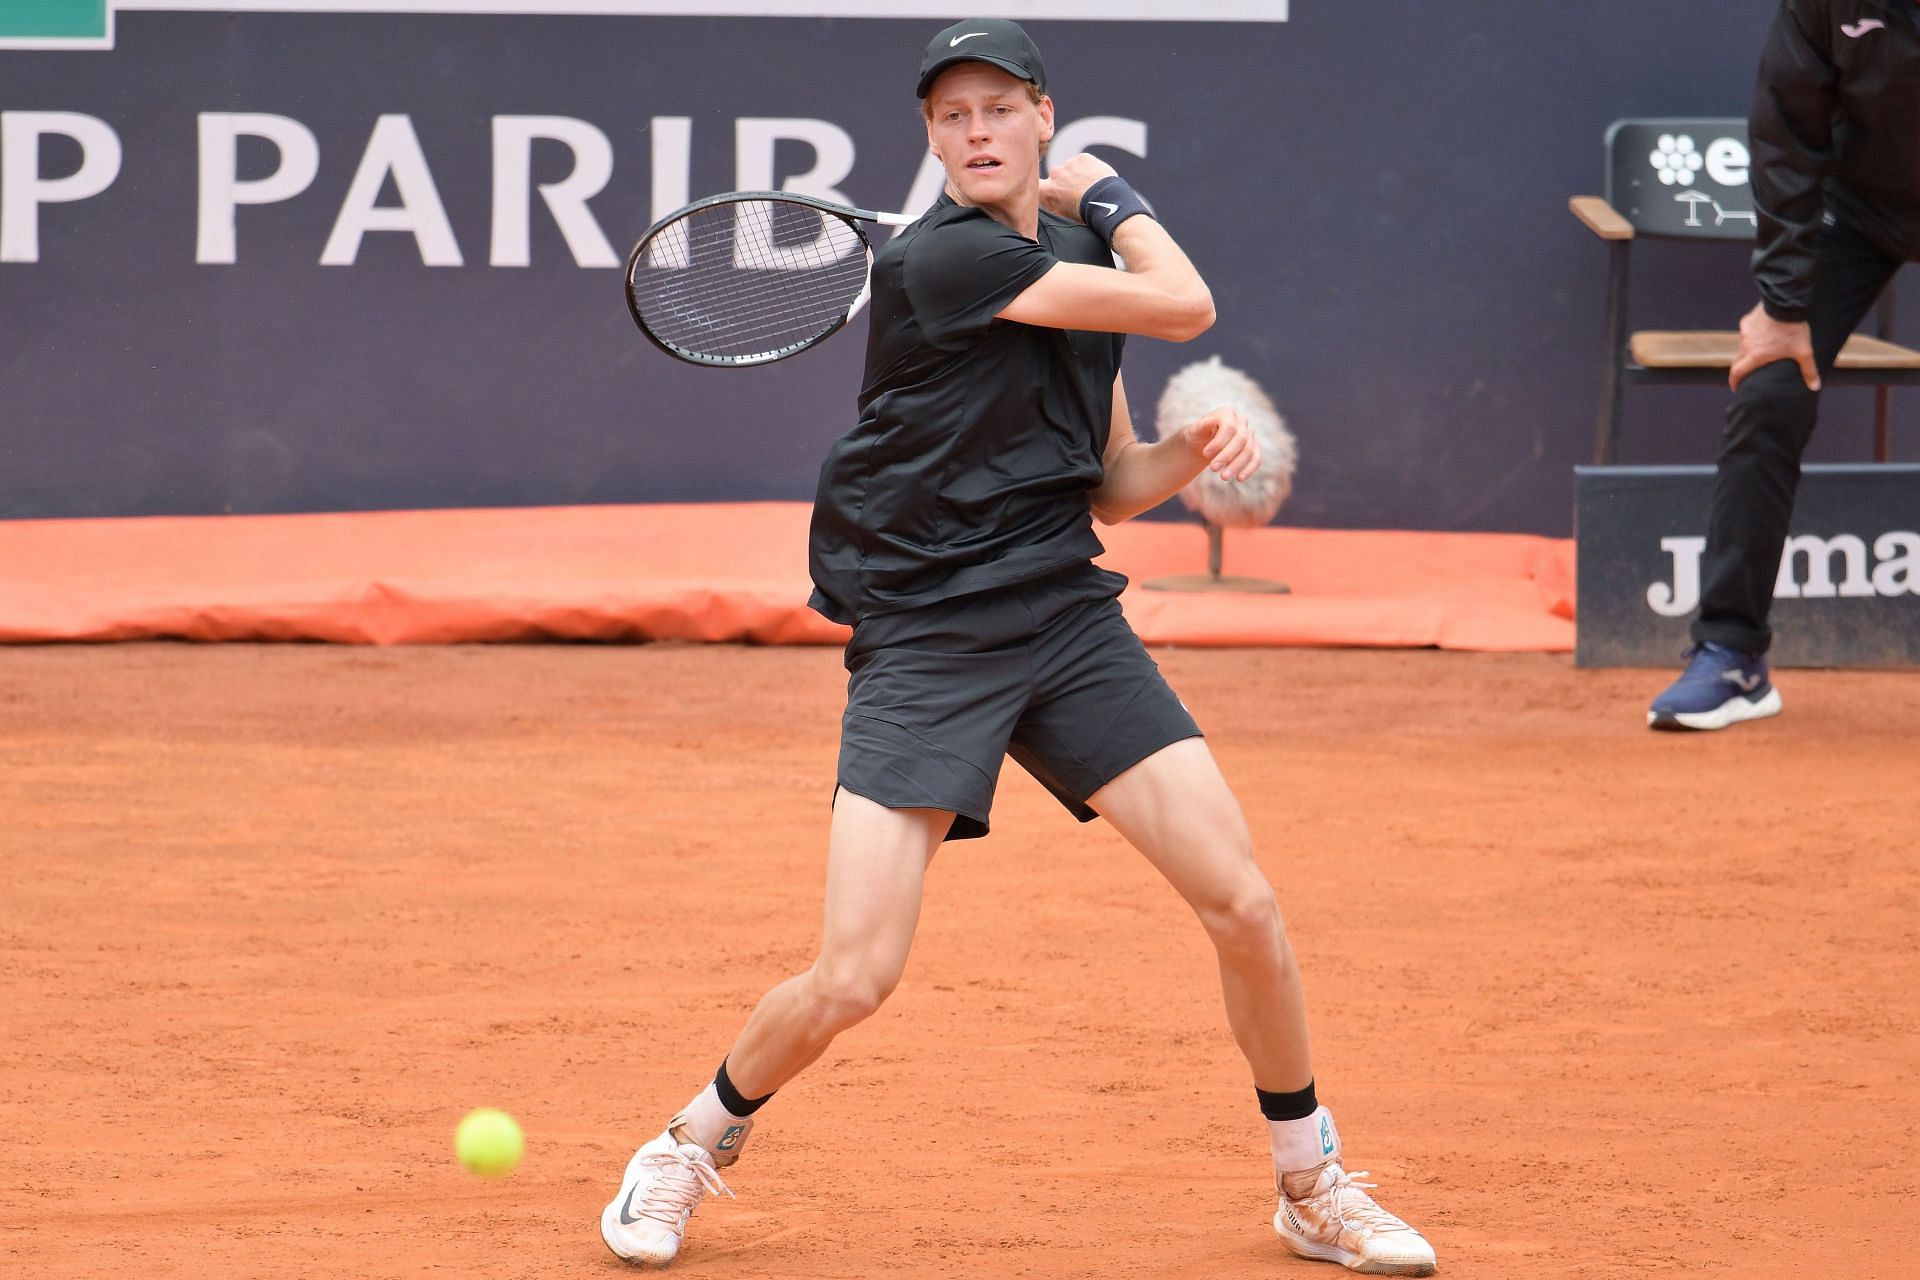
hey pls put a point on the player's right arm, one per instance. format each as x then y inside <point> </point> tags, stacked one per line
<point>1159,295</point>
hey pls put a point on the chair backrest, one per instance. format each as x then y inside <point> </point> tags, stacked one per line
<point>1683,178</point>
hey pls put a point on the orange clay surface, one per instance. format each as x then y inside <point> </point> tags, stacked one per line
<point>1587,1000</point>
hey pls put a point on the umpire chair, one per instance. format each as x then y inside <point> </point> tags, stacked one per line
<point>1686,179</point>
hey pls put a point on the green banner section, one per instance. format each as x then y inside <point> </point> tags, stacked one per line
<point>53,19</point>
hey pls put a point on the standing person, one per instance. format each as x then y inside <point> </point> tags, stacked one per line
<point>954,529</point>
<point>1835,128</point>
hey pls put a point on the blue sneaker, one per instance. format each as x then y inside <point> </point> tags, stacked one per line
<point>1720,686</point>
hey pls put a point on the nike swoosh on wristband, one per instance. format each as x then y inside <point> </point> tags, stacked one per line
<point>970,35</point>
<point>1102,204</point>
<point>1860,28</point>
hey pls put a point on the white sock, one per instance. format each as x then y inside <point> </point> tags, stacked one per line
<point>1307,1143</point>
<point>708,1124</point>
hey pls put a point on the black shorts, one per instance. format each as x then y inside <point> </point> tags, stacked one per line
<point>1048,672</point>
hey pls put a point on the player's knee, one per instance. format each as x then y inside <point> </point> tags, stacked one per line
<point>847,994</point>
<point>1246,923</point>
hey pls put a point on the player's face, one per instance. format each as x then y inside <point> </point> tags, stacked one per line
<point>987,130</point>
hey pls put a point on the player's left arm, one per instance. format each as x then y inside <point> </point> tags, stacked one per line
<point>1140,476</point>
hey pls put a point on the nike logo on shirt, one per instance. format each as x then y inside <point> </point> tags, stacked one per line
<point>957,39</point>
<point>1860,28</point>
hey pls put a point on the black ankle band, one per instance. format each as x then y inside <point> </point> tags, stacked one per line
<point>1280,1106</point>
<point>737,1105</point>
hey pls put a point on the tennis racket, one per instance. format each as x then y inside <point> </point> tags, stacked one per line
<point>751,276</point>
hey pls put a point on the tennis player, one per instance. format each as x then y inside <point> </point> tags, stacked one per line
<point>953,529</point>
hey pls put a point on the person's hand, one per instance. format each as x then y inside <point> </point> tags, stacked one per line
<point>1225,441</point>
<point>1764,340</point>
<point>1066,182</point>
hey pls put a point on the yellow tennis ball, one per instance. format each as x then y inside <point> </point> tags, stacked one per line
<point>488,1142</point>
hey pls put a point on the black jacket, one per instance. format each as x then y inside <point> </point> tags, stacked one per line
<point>1835,128</point>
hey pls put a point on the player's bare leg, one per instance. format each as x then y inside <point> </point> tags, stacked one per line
<point>1176,808</point>
<point>876,867</point>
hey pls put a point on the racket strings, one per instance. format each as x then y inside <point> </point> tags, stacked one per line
<point>748,279</point>
<point>735,318</point>
<point>755,300</point>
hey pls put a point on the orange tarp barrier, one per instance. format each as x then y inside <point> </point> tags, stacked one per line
<point>730,572</point>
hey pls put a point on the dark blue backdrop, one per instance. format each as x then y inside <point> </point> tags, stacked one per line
<point>1376,191</point>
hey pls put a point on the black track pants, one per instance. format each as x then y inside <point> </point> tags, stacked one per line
<point>1768,426</point>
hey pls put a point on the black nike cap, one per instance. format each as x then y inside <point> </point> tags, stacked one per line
<point>993,40</point>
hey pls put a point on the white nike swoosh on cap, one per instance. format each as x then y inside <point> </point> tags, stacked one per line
<point>1860,28</point>
<point>1102,204</point>
<point>970,35</point>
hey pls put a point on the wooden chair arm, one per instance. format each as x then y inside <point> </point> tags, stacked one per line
<point>1600,218</point>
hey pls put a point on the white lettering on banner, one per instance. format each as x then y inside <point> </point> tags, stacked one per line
<point>1896,571</point>
<point>1683,596</point>
<point>23,190</point>
<point>672,179</point>
<point>513,138</point>
<point>220,187</point>
<point>393,149</point>
<point>1728,161</point>
<point>1820,553</point>
<point>754,143</point>
<point>1085,134</point>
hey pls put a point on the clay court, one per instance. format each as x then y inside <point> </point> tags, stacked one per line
<point>1588,1000</point>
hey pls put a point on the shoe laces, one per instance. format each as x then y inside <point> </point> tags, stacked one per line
<point>1355,1210</point>
<point>677,1187</point>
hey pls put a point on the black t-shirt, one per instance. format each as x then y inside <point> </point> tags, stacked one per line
<point>979,439</point>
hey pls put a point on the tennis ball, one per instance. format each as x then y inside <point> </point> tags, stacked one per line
<point>488,1142</point>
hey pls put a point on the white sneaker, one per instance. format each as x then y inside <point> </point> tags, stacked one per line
<point>1337,1221</point>
<point>662,1184</point>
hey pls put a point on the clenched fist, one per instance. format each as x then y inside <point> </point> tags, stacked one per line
<point>1066,182</point>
